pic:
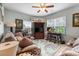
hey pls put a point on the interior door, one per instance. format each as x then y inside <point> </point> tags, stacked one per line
<point>39,30</point>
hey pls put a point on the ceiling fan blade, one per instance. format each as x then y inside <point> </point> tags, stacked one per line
<point>38,11</point>
<point>50,6</point>
<point>46,10</point>
<point>35,6</point>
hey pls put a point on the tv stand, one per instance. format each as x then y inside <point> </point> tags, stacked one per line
<point>39,30</point>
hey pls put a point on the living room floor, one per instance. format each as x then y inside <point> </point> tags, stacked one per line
<point>50,48</point>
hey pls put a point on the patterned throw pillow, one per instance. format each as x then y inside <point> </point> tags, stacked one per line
<point>9,37</point>
<point>25,42</point>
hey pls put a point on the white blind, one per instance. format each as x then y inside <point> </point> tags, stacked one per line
<point>58,24</point>
<point>61,21</point>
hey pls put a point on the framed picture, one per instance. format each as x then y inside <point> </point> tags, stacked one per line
<point>76,20</point>
<point>19,24</point>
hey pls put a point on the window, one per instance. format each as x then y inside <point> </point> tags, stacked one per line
<point>57,24</point>
<point>27,24</point>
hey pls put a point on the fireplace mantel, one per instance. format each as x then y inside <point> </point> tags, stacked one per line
<point>39,20</point>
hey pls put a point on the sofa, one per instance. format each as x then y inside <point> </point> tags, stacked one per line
<point>25,47</point>
<point>72,48</point>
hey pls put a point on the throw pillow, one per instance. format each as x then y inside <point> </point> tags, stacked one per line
<point>9,39</point>
<point>19,38</point>
<point>19,34</point>
<point>76,42</point>
<point>70,42</point>
<point>9,35</point>
<point>25,42</point>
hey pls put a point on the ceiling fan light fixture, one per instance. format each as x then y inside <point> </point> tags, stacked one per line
<point>46,10</point>
<point>43,7</point>
<point>38,11</point>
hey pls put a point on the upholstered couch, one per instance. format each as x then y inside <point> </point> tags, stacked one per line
<point>72,48</point>
<point>25,47</point>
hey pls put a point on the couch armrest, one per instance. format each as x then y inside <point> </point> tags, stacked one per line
<point>70,53</point>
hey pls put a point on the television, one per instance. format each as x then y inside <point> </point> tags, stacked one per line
<point>37,29</point>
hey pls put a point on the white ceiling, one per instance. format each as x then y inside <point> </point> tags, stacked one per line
<point>27,8</point>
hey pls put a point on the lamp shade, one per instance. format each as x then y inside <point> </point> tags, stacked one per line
<point>11,24</point>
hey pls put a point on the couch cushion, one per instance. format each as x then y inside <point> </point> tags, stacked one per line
<point>25,42</point>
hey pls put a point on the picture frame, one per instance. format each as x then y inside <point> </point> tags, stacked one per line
<point>76,20</point>
<point>19,23</point>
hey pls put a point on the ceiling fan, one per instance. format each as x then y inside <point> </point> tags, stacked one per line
<point>43,6</point>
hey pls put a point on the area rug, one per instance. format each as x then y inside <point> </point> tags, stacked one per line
<point>47,48</point>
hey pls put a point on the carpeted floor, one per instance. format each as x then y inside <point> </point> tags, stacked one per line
<point>47,48</point>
